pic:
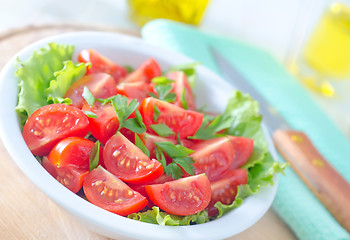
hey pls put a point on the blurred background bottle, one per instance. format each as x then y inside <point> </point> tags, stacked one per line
<point>187,11</point>
<point>328,49</point>
<point>323,62</point>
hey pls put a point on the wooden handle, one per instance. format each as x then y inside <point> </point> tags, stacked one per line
<point>323,180</point>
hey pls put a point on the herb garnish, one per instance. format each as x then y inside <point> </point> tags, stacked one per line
<point>180,158</point>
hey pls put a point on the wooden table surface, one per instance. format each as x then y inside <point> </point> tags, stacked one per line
<point>27,213</point>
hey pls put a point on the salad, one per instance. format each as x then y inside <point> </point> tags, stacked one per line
<point>134,142</point>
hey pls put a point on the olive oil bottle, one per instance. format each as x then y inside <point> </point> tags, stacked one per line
<point>187,11</point>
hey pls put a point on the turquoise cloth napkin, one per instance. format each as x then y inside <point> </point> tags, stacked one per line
<point>294,202</point>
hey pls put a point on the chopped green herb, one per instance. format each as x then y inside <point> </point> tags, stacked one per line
<point>123,109</point>
<point>87,95</point>
<point>139,143</point>
<point>135,124</point>
<point>156,113</point>
<point>94,156</point>
<point>162,130</point>
<point>180,158</point>
<point>183,100</point>
<point>162,80</point>
<point>210,129</point>
<point>129,68</point>
<point>90,114</point>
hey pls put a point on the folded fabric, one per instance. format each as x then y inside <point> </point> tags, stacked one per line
<point>294,202</point>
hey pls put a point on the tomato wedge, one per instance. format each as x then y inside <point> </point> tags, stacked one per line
<point>52,123</point>
<point>182,87</point>
<point>213,157</point>
<point>225,189</point>
<point>105,124</point>
<point>135,90</point>
<point>148,70</point>
<point>126,161</point>
<point>101,64</point>
<point>110,193</point>
<point>141,187</point>
<point>244,148</point>
<point>72,151</point>
<point>184,196</point>
<point>101,85</point>
<point>179,120</point>
<point>69,176</point>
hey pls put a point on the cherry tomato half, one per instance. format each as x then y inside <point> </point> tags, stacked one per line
<point>213,157</point>
<point>145,72</point>
<point>52,123</point>
<point>69,176</point>
<point>181,86</point>
<point>184,196</point>
<point>244,148</point>
<point>225,189</point>
<point>72,151</point>
<point>101,64</point>
<point>105,124</point>
<point>106,191</point>
<point>101,85</point>
<point>126,161</point>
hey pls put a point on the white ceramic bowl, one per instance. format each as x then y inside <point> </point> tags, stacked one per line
<point>210,90</point>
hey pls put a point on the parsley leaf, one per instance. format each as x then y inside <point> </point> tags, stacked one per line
<point>162,130</point>
<point>135,124</point>
<point>209,129</point>
<point>174,170</point>
<point>163,87</point>
<point>183,100</point>
<point>123,109</point>
<point>156,113</point>
<point>94,157</point>
<point>129,68</point>
<point>180,158</point>
<point>90,114</point>
<point>139,143</point>
<point>87,95</point>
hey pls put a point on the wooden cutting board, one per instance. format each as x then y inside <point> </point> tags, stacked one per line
<point>27,213</point>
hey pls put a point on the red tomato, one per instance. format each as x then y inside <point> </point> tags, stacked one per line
<point>106,191</point>
<point>72,151</point>
<point>128,162</point>
<point>52,123</point>
<point>184,196</point>
<point>101,85</point>
<point>180,85</point>
<point>69,176</point>
<point>141,187</point>
<point>135,90</point>
<point>244,148</point>
<point>101,64</point>
<point>213,157</point>
<point>225,189</point>
<point>185,122</point>
<point>106,124</point>
<point>145,72</point>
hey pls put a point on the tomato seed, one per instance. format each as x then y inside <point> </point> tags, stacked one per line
<point>118,200</point>
<point>97,183</point>
<point>110,193</point>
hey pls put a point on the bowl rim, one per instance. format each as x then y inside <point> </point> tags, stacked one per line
<point>112,225</point>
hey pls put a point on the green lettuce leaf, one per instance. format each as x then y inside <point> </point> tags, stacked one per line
<point>36,73</point>
<point>261,167</point>
<point>156,216</point>
<point>64,78</point>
